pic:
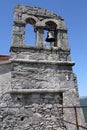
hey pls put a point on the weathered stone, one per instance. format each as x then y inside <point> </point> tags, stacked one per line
<point>41,80</point>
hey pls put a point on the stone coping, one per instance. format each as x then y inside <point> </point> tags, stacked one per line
<point>64,63</point>
<point>5,62</point>
<point>24,46</point>
<point>37,91</point>
<point>37,62</point>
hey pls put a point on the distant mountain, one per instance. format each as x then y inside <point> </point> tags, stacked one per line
<point>83,102</point>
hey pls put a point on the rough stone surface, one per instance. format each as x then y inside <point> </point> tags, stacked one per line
<point>5,77</point>
<point>39,70</point>
<point>33,111</point>
<point>37,76</point>
<point>41,20</point>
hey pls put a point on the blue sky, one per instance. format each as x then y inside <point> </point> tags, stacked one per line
<point>75,14</point>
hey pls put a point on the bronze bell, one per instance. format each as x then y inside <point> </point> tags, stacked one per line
<point>50,37</point>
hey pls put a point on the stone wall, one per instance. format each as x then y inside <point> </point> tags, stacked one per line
<point>42,78</point>
<point>40,53</point>
<point>33,75</point>
<point>33,111</point>
<point>5,77</point>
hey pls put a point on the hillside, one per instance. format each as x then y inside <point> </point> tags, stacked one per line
<point>83,102</point>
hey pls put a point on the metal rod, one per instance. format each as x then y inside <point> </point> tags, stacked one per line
<point>73,106</point>
<point>75,124</point>
<point>76,118</point>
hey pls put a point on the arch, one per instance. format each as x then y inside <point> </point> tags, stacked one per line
<point>50,21</point>
<point>51,25</point>
<point>30,19</point>
<point>30,36</point>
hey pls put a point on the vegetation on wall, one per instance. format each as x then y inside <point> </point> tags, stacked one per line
<point>83,102</point>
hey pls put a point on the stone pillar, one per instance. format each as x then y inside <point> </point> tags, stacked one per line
<point>59,38</point>
<point>18,33</point>
<point>40,37</point>
<point>62,39</point>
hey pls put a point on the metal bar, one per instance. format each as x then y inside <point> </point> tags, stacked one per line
<point>73,106</point>
<point>75,124</point>
<point>76,118</point>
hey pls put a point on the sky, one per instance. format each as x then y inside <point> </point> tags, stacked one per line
<point>74,13</point>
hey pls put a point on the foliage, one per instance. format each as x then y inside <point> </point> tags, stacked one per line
<point>85,114</point>
<point>83,102</point>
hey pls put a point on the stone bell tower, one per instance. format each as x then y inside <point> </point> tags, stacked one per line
<point>42,79</point>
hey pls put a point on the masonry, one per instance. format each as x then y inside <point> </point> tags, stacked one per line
<point>42,79</point>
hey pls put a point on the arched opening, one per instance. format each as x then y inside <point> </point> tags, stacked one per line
<point>30,35</point>
<point>51,27</point>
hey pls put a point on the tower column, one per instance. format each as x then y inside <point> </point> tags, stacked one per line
<point>39,37</point>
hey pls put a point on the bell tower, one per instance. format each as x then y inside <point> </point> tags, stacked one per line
<point>42,79</point>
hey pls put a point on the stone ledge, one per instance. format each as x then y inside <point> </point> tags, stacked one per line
<point>16,46</point>
<point>5,62</point>
<point>31,91</point>
<point>64,63</point>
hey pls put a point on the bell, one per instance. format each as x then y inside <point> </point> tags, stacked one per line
<point>50,37</point>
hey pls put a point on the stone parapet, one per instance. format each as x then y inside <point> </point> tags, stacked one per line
<point>40,53</point>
